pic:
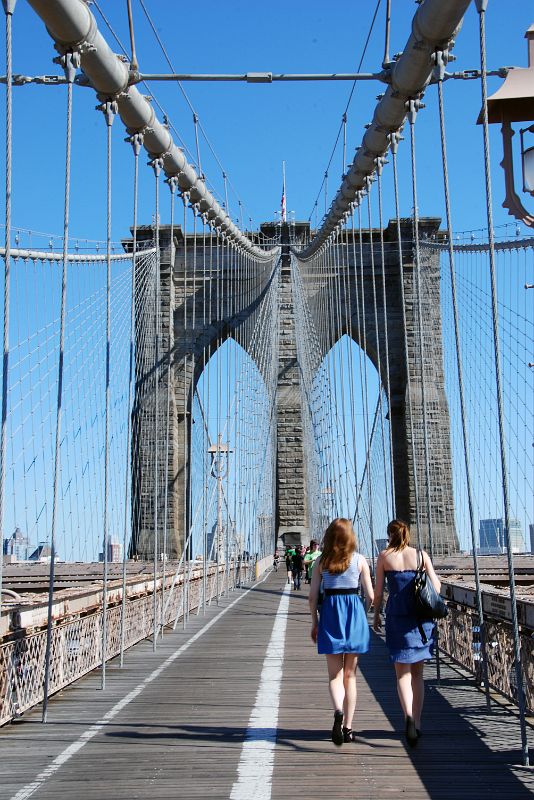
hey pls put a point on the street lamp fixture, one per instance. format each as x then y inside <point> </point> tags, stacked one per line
<point>514,102</point>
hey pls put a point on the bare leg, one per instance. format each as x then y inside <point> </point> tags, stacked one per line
<point>418,691</point>
<point>350,665</point>
<point>334,662</point>
<point>404,687</point>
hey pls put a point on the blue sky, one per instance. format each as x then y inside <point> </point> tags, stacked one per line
<point>253,128</point>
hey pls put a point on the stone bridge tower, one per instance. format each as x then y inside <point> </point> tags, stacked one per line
<point>239,312</point>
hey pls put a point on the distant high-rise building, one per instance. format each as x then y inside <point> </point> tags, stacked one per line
<point>114,552</point>
<point>531,529</point>
<point>17,546</point>
<point>493,540</point>
<point>41,553</point>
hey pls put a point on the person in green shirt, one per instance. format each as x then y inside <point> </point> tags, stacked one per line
<point>310,558</point>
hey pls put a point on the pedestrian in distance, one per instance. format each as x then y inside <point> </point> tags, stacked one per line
<point>276,559</point>
<point>310,557</point>
<point>289,563</point>
<point>297,567</point>
<point>340,629</point>
<point>409,641</point>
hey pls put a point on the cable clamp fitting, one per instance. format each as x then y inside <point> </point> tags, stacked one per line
<point>70,62</point>
<point>9,6</point>
<point>156,164</point>
<point>412,107</point>
<point>110,110</point>
<point>440,59</point>
<point>136,140</point>
<point>172,182</point>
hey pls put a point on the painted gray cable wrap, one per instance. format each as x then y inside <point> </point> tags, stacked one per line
<point>72,26</point>
<point>434,26</point>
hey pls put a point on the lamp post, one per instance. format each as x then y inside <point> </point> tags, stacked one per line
<point>514,102</point>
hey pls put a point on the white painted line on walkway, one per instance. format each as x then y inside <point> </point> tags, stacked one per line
<point>255,769</point>
<point>91,732</point>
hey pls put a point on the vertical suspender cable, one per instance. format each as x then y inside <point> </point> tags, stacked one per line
<point>218,438</point>
<point>412,114</point>
<point>70,63</point>
<point>394,141</point>
<point>9,7</point>
<point>481,8</point>
<point>110,110</point>
<point>157,165</point>
<point>441,64</point>
<point>377,331</point>
<point>136,142</point>
<point>379,167</point>
<point>205,456</point>
<point>190,405</point>
<point>172,182</point>
<point>364,383</point>
<point>185,599</point>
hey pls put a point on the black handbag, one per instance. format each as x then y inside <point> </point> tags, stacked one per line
<point>429,605</point>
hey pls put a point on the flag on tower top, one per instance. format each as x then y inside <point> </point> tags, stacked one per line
<point>283,214</point>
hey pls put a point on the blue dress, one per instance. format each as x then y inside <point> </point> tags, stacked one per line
<point>403,637</point>
<point>343,626</point>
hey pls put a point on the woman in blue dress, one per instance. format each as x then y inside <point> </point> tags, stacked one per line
<point>340,629</point>
<point>408,648</point>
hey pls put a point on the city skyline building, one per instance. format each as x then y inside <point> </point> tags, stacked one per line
<point>17,546</point>
<point>492,539</point>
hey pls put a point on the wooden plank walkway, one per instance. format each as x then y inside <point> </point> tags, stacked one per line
<point>181,733</point>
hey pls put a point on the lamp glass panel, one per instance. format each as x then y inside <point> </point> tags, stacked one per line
<point>528,169</point>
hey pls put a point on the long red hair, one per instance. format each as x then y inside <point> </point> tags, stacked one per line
<point>339,544</point>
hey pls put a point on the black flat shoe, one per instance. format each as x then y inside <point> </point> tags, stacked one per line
<point>411,732</point>
<point>337,733</point>
<point>348,735</point>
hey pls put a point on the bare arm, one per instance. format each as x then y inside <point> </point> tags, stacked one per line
<point>429,567</point>
<point>365,578</point>
<point>314,597</point>
<point>379,591</point>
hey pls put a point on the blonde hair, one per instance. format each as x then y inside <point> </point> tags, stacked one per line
<point>338,546</point>
<point>398,534</point>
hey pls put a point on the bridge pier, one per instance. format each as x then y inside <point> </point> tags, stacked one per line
<point>404,392</point>
<point>292,515</point>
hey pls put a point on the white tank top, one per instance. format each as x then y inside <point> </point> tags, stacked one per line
<point>350,579</point>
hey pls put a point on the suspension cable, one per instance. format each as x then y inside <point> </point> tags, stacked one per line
<point>70,63</point>
<point>481,8</point>
<point>412,114</point>
<point>440,65</point>
<point>136,142</point>
<point>157,165</point>
<point>109,108</point>
<point>379,168</point>
<point>9,8</point>
<point>394,140</point>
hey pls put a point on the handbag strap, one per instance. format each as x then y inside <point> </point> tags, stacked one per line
<point>420,567</point>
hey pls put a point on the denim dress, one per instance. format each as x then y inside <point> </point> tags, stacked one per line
<point>343,626</point>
